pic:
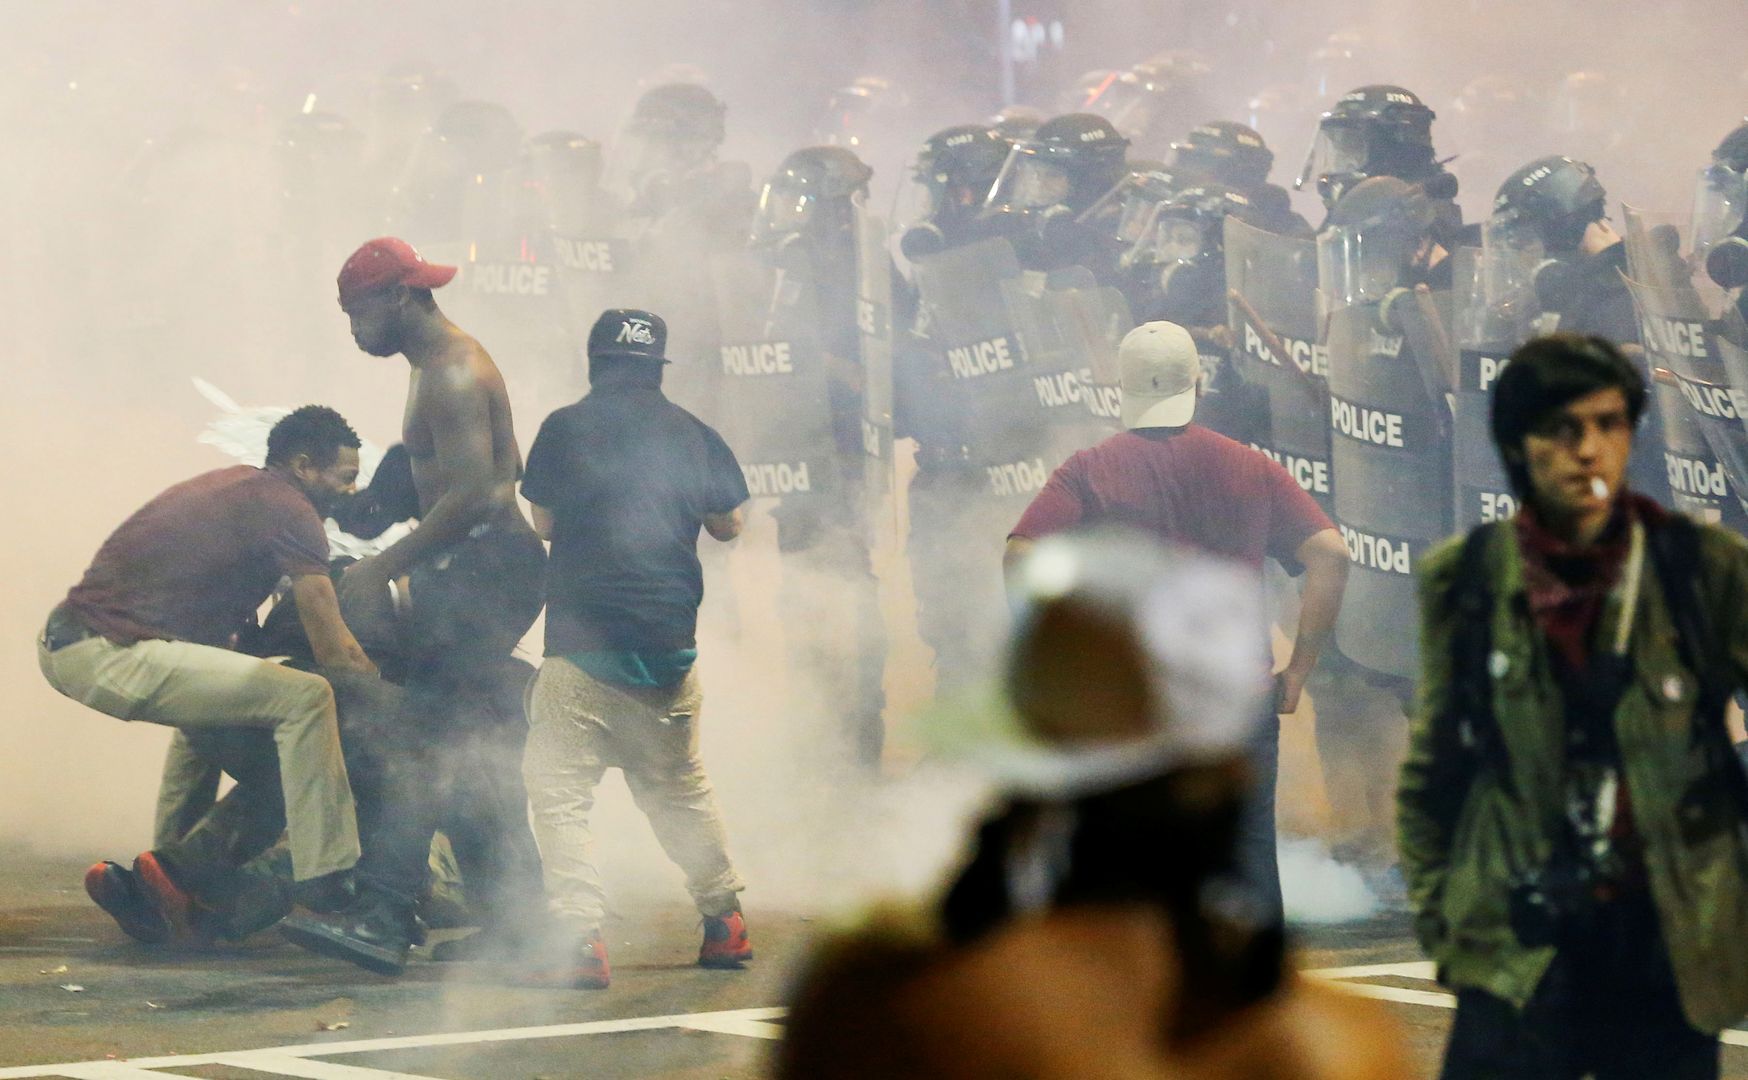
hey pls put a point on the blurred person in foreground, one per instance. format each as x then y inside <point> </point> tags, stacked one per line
<point>1185,484</point>
<point>1102,925</point>
<point>473,576</point>
<point>150,633</point>
<point>622,482</point>
<point>1572,815</point>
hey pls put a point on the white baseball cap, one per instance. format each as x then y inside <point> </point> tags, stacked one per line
<point>1159,367</point>
<point>1197,621</point>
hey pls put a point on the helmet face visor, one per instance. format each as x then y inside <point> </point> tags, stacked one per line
<point>783,211</point>
<point>1177,240</point>
<point>1718,206</point>
<point>1032,179</point>
<point>1337,150</point>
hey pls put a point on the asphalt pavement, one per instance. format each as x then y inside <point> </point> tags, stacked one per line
<point>81,1000</point>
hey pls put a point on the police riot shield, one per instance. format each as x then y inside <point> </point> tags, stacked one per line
<point>1071,329</point>
<point>1496,311</point>
<point>874,329</point>
<point>984,318</point>
<point>1389,451</point>
<point>1657,254</point>
<point>1695,368</point>
<point>1272,310</point>
<point>773,385</point>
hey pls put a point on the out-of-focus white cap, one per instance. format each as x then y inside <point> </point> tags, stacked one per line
<point>1200,629</point>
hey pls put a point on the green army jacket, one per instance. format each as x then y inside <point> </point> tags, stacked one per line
<point>1465,836</point>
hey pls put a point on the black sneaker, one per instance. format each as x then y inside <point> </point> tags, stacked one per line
<point>114,888</point>
<point>375,933</point>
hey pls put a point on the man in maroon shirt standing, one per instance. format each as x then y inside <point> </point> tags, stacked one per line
<point>1188,485</point>
<point>147,634</point>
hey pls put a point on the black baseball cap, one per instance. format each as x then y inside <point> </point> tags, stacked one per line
<point>629,332</point>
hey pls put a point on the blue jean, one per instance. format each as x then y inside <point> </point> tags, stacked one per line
<point>1256,830</point>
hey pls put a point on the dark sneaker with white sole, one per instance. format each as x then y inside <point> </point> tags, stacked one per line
<point>375,933</point>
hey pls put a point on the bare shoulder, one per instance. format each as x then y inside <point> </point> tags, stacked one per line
<point>465,370</point>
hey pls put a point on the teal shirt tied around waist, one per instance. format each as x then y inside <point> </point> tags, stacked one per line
<point>641,669</point>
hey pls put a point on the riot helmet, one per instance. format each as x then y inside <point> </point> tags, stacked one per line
<point>1017,122</point>
<point>1155,100</point>
<point>950,180</point>
<point>1555,198</point>
<point>1721,199</point>
<point>1226,152</point>
<point>859,113</point>
<point>675,129</point>
<point>1190,225</point>
<point>1070,161</point>
<point>1372,131</point>
<point>1126,214</point>
<point>813,191</point>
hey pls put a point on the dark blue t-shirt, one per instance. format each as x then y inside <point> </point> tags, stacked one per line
<point>629,478</point>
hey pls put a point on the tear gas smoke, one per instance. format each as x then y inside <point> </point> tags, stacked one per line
<point>160,226</point>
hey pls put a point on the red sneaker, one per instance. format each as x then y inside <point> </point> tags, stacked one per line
<point>582,966</point>
<point>176,906</point>
<point>725,942</point>
<point>117,891</point>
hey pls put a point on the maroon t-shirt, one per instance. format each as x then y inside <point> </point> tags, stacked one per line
<point>196,562</point>
<point>1187,485</point>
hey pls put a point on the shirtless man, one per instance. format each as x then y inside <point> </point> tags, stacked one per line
<point>470,579</point>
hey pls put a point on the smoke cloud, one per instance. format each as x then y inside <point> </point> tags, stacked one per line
<point>154,233</point>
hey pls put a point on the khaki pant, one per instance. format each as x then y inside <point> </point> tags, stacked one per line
<point>183,685</point>
<point>579,727</point>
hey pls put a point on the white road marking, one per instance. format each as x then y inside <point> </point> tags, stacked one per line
<point>1417,969</point>
<point>289,1065</point>
<point>107,1070</point>
<point>303,1060</point>
<point>744,1022</point>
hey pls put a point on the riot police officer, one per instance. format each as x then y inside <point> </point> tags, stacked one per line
<point>807,224</point>
<point>1051,179</point>
<point>1552,215</point>
<point>954,171</point>
<point>1378,131</point>
<point>1155,100</point>
<point>1391,490</point>
<point>1720,228</point>
<point>1557,205</point>
<point>951,178</point>
<point>562,183</point>
<point>1177,272</point>
<point>1234,156</point>
<point>666,163</point>
<point>458,184</point>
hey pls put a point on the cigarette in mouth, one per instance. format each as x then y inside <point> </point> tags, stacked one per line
<point>1599,487</point>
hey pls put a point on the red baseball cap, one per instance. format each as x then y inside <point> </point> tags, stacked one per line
<point>387,261</point>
